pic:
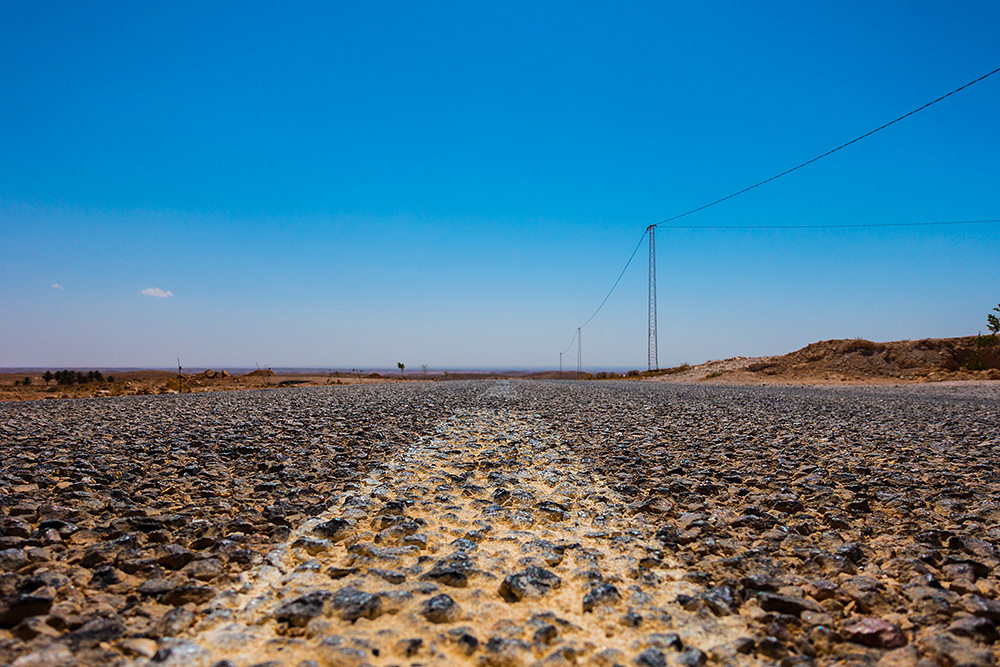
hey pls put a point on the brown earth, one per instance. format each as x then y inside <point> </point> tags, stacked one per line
<point>146,382</point>
<point>855,360</point>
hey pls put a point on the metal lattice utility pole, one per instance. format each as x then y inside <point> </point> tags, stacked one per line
<point>653,361</point>
<point>579,354</point>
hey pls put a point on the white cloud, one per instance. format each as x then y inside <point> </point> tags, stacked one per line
<point>56,286</point>
<point>157,292</point>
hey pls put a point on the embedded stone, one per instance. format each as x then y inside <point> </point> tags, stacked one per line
<point>354,604</point>
<point>602,594</point>
<point>453,571</point>
<point>301,610</point>
<point>335,529</point>
<point>441,609</point>
<point>533,582</point>
<point>874,632</point>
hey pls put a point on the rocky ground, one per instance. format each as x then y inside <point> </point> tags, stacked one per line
<point>147,382</point>
<point>504,523</point>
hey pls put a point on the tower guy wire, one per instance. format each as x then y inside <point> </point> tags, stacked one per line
<point>610,292</point>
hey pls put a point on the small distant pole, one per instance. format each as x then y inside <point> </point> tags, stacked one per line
<point>560,365</point>
<point>654,362</point>
<point>180,378</point>
<point>579,354</point>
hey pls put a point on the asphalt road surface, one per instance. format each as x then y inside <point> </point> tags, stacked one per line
<point>504,523</point>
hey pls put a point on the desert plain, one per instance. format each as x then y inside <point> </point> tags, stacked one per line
<point>675,520</point>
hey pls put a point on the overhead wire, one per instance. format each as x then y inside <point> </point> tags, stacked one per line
<point>777,176</point>
<point>570,345</point>
<point>871,224</point>
<point>631,257</point>
<point>829,152</point>
<point>637,246</point>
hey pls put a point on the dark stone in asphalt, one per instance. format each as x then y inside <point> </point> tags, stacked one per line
<point>453,571</point>
<point>651,658</point>
<point>786,604</point>
<point>301,610</point>
<point>531,583</point>
<point>441,609</point>
<point>188,594</point>
<point>94,632</point>
<point>334,529</point>
<point>354,604</point>
<point>874,632</point>
<point>602,594</point>
<point>16,608</point>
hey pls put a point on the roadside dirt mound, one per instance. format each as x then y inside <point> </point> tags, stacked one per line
<point>145,375</point>
<point>210,375</point>
<point>854,360</point>
<point>862,359</point>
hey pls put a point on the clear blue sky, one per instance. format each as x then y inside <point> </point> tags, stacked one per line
<point>444,183</point>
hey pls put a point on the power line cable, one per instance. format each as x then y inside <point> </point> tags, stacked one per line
<point>735,227</point>
<point>829,152</point>
<point>631,257</point>
<point>784,173</point>
<point>637,245</point>
<point>570,344</point>
<point>874,224</point>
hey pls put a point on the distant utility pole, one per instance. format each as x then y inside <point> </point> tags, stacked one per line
<point>560,365</point>
<point>653,361</point>
<point>579,354</point>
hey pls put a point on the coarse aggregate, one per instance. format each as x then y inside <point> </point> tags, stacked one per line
<point>504,523</point>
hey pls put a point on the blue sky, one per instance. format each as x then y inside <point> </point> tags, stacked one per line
<point>441,183</point>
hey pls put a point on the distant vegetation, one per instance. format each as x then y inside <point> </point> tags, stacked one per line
<point>659,371</point>
<point>975,362</point>
<point>65,377</point>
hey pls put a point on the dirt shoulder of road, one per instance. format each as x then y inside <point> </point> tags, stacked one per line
<point>147,382</point>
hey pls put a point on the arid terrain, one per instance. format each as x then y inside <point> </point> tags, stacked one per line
<point>503,523</point>
<point>160,382</point>
<point>854,361</point>
<point>148,382</point>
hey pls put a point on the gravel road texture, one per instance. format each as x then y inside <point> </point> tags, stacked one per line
<point>504,523</point>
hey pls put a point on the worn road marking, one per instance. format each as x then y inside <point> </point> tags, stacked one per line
<point>489,543</point>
